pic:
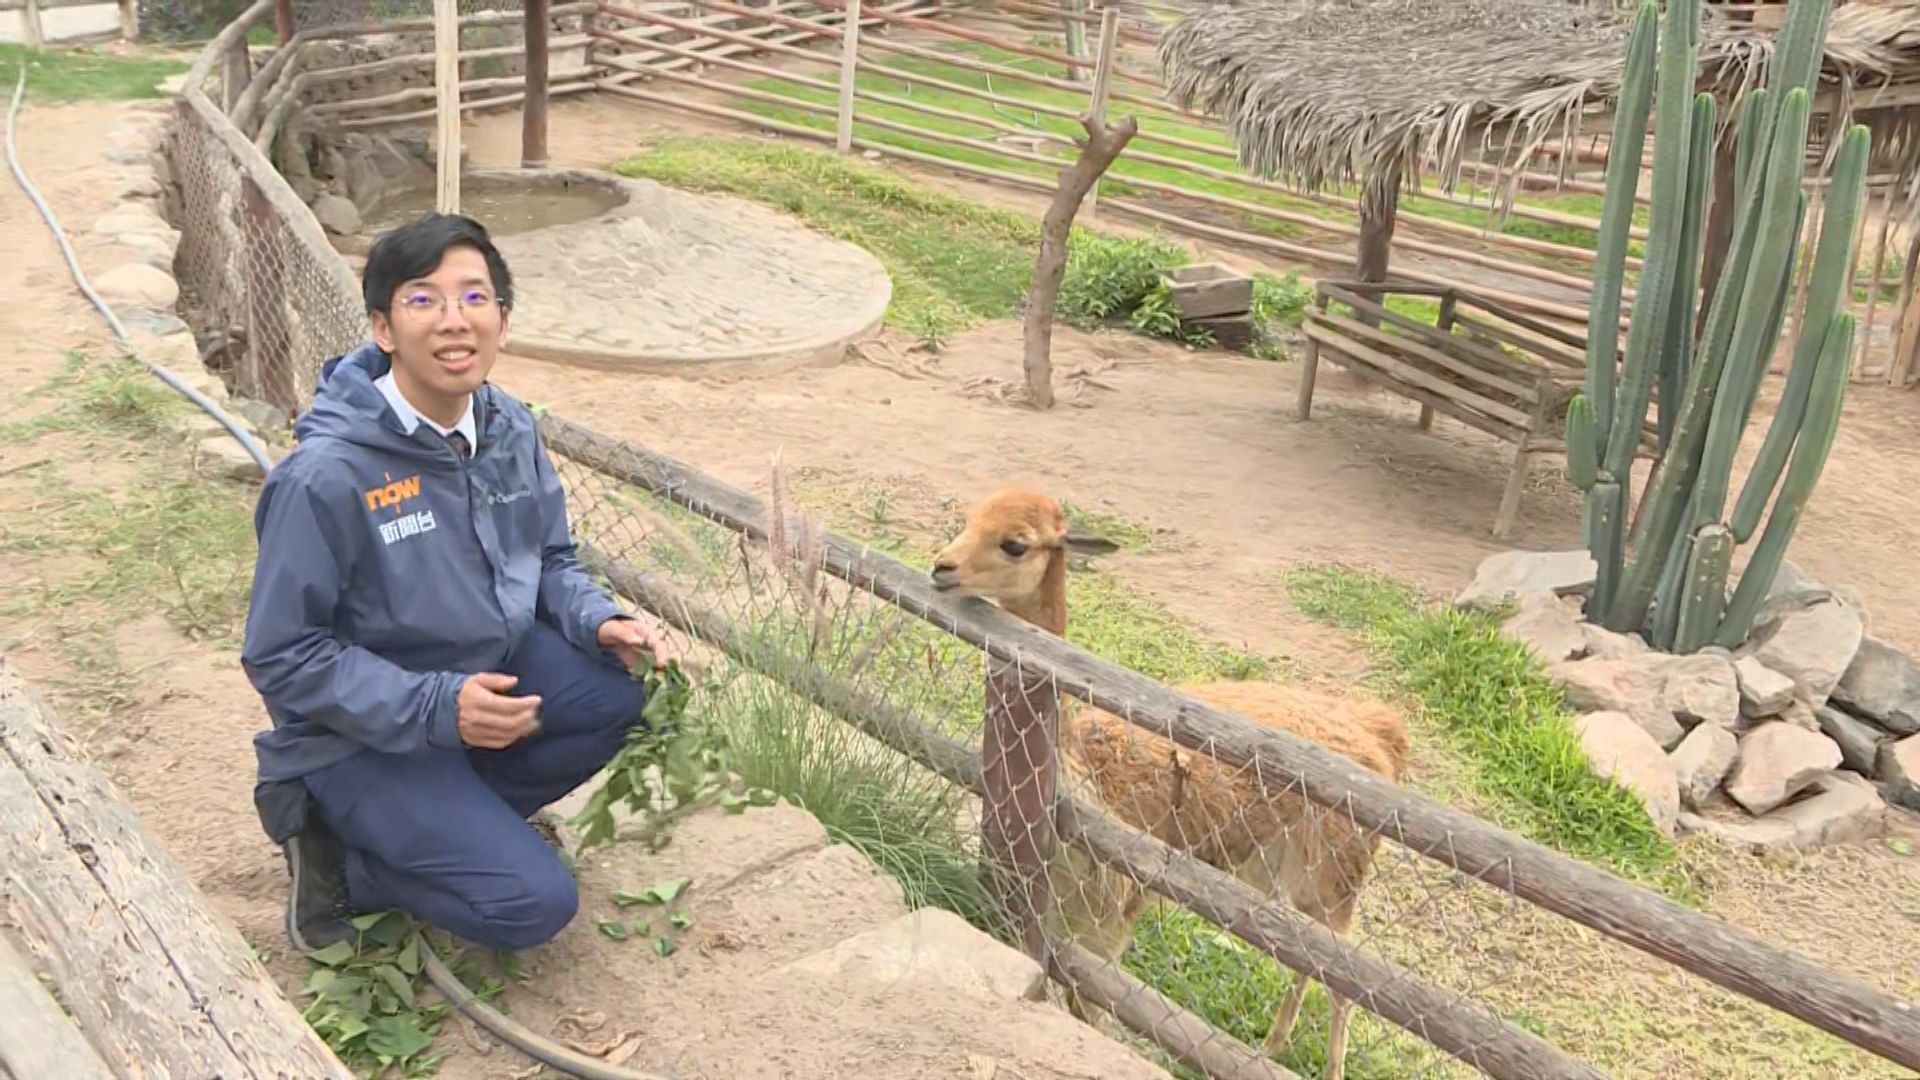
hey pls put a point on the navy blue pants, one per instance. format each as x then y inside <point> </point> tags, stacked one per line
<point>443,834</point>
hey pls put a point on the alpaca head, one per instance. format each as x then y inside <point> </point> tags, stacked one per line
<point>1013,551</point>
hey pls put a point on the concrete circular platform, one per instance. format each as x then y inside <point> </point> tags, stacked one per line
<point>669,281</point>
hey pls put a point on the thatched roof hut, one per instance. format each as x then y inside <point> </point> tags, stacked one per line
<point>1324,91</point>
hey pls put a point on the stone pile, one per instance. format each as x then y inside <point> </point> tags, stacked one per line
<point>1800,737</point>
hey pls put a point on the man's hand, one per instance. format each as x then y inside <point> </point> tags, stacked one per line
<point>628,636</point>
<point>489,718</point>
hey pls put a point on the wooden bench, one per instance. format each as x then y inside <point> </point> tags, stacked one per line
<point>1482,363</point>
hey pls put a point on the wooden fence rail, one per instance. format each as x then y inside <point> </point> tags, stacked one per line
<point>1838,1004</point>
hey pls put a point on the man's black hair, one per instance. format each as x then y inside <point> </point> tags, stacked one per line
<point>412,251</point>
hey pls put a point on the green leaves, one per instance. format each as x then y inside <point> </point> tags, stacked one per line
<point>366,998</point>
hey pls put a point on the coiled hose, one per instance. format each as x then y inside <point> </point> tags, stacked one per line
<point>509,1031</point>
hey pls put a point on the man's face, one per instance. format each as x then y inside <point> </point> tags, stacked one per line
<point>445,330</point>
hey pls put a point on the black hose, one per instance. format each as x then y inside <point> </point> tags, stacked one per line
<point>234,427</point>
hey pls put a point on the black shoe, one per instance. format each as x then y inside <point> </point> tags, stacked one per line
<point>317,909</point>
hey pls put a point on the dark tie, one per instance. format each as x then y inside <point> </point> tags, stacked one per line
<point>460,445</point>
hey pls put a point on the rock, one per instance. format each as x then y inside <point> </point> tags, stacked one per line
<point>221,455</point>
<point>1883,684</point>
<point>1776,761</point>
<point>1604,644</point>
<point>1793,589</point>
<point>1512,575</point>
<point>1859,741</point>
<point>262,415</point>
<point>1635,686</point>
<point>1842,809</point>
<point>933,947</point>
<point>1702,689</point>
<point>1899,767</point>
<point>1701,761</point>
<point>1617,746</point>
<point>134,218</point>
<point>137,285</point>
<point>1813,646</point>
<point>146,248</point>
<point>1800,712</point>
<point>1763,691</point>
<point>1548,628</point>
<point>336,214</point>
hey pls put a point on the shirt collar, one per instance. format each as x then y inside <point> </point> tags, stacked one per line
<point>410,417</point>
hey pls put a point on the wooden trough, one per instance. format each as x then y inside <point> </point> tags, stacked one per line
<point>112,964</point>
<point>1481,363</point>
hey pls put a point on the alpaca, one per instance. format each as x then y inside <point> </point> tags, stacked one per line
<point>1013,550</point>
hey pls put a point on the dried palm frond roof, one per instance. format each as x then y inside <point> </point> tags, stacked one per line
<point>1319,91</point>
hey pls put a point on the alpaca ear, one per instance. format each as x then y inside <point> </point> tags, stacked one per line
<point>1087,544</point>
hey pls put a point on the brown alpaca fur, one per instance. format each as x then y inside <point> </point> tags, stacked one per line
<point>1013,551</point>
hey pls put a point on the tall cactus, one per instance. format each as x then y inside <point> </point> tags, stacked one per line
<point>1669,579</point>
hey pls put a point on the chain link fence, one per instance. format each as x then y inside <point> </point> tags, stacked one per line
<point>1239,900</point>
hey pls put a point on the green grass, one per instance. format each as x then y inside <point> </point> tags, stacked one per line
<point>82,74</point>
<point>954,263</point>
<point>1494,702</point>
<point>173,543</point>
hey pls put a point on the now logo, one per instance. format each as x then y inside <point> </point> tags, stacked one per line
<point>393,493</point>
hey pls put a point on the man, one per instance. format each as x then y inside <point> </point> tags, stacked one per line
<point>436,664</point>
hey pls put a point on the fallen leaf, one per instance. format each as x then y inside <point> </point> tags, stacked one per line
<point>982,1067</point>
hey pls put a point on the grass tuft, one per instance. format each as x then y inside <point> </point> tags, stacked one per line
<point>1487,695</point>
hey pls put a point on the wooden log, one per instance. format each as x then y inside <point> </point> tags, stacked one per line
<point>554,90</point>
<point>446,85</point>
<point>533,109</point>
<point>1728,956</point>
<point>37,1037</point>
<point>160,985</point>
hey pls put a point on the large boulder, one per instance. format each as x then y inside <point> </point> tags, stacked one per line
<point>1618,747</point>
<point>1701,761</point>
<point>1634,686</point>
<point>1777,761</point>
<point>1813,645</point>
<point>1513,575</point>
<point>1883,684</point>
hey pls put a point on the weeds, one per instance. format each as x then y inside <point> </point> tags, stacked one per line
<point>1487,695</point>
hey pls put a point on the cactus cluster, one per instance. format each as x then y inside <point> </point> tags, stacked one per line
<point>1665,573</point>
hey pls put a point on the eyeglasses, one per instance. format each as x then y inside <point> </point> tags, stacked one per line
<point>424,304</point>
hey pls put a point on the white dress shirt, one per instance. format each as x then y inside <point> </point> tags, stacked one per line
<point>410,417</point>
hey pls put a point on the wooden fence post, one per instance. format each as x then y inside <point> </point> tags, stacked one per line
<point>30,25</point>
<point>533,108</point>
<point>849,70</point>
<point>283,21</point>
<point>446,80</point>
<point>1020,774</point>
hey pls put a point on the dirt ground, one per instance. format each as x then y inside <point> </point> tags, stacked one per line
<point>1200,444</point>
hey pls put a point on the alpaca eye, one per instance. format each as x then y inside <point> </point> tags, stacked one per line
<point>1014,548</point>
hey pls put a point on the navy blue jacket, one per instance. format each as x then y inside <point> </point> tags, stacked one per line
<point>390,569</point>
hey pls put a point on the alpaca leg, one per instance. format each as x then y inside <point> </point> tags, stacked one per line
<point>1336,1037</point>
<point>1287,1016</point>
